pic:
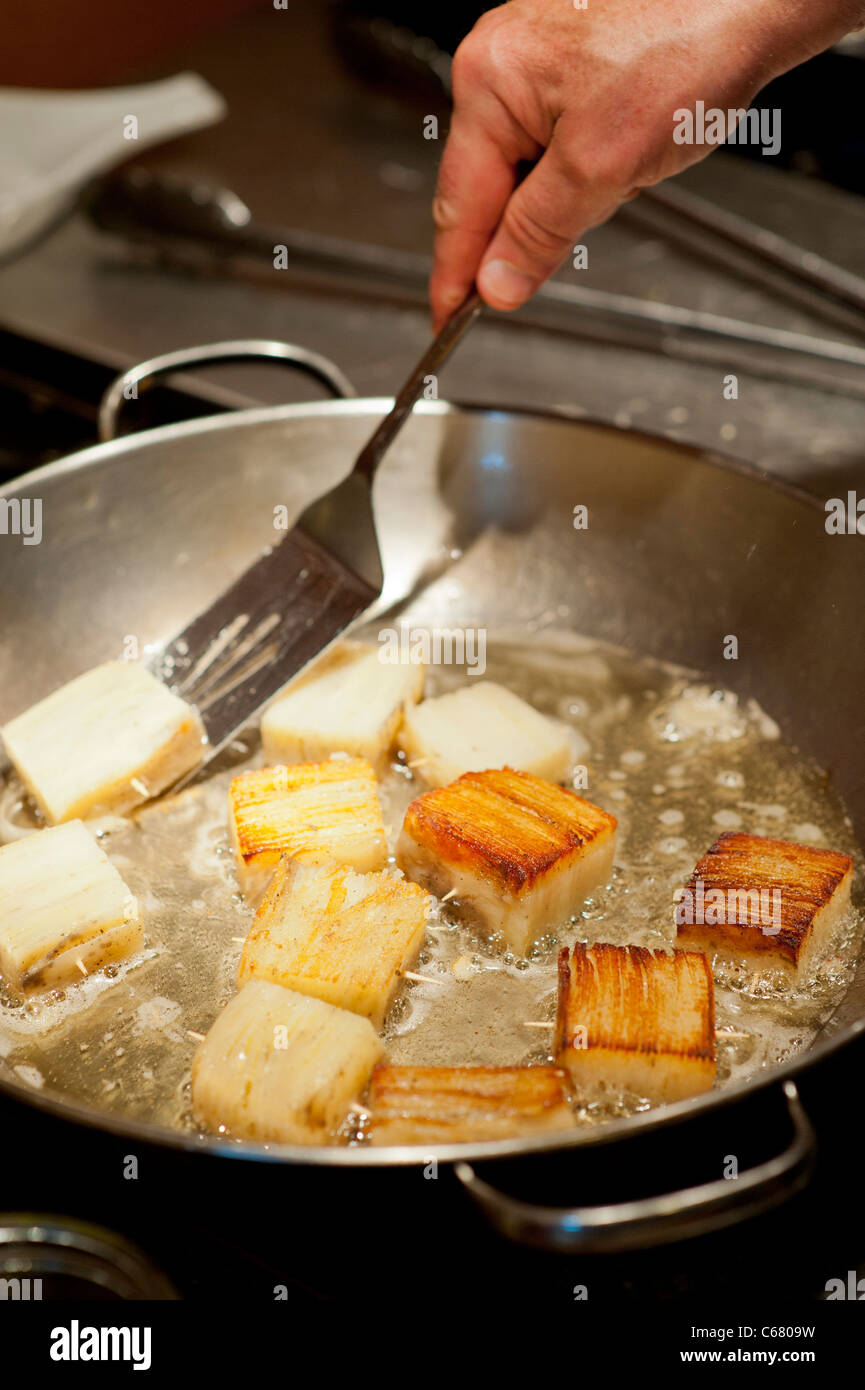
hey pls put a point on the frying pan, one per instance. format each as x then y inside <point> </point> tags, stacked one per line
<point>682,548</point>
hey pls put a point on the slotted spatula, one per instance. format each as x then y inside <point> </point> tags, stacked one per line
<point>302,593</point>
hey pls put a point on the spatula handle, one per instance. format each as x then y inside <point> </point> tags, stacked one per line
<point>435,355</point>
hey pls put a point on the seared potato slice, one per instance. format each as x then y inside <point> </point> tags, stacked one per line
<point>321,813</point>
<point>64,909</point>
<point>450,1105</point>
<point>768,902</point>
<point>105,742</point>
<point>631,1019</point>
<point>520,854</point>
<point>282,1067</point>
<point>336,934</point>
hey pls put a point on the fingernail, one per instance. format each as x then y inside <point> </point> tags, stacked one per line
<point>500,282</point>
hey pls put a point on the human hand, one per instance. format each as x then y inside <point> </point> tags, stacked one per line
<point>591,95</point>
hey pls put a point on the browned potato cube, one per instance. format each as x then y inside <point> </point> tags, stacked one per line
<point>631,1019</point>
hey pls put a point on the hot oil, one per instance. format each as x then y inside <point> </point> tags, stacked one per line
<point>678,763</point>
<point>675,761</point>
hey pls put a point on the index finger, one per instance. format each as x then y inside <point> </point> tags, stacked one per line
<point>476,179</point>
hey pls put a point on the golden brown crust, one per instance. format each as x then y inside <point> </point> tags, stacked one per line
<point>253,794</point>
<point>796,881</point>
<point>510,825</point>
<point>443,1099</point>
<point>340,936</point>
<point>627,999</point>
<point>564,996</point>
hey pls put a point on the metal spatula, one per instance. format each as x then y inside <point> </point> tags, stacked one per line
<point>301,594</point>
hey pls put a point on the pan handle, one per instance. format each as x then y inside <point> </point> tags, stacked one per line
<point>60,1249</point>
<point>653,1220</point>
<point>125,387</point>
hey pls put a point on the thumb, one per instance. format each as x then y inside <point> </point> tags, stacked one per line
<point>543,217</point>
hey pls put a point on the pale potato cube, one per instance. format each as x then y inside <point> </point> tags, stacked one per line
<point>520,855</point>
<point>353,704</point>
<point>483,726</point>
<point>339,935</point>
<point>105,742</point>
<point>282,1067</point>
<point>64,909</point>
<point>320,813</point>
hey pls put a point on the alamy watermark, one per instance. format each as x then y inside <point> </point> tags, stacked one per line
<point>77,1343</point>
<point>852,1288</point>
<point>715,907</point>
<point>20,1290</point>
<point>736,126</point>
<point>845,516</point>
<point>434,646</point>
<point>22,516</point>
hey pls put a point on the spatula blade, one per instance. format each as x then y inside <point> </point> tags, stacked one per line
<point>282,611</point>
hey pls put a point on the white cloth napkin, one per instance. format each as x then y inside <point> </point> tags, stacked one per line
<point>52,143</point>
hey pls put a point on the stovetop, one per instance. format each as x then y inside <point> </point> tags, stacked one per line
<point>203,1221</point>
<point>351,161</point>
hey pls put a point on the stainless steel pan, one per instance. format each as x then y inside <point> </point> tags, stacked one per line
<point>683,547</point>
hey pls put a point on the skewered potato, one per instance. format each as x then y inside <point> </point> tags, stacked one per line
<point>417,1105</point>
<point>336,934</point>
<point>483,726</point>
<point>64,909</point>
<point>634,1020</point>
<point>280,1066</point>
<point>769,902</point>
<point>520,854</point>
<point>321,813</point>
<point>107,741</point>
<point>353,705</point>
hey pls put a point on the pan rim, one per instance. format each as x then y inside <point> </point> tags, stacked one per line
<point>613,1131</point>
<point>408,1155</point>
<point>380,405</point>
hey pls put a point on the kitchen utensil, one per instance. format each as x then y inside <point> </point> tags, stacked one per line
<point>302,592</point>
